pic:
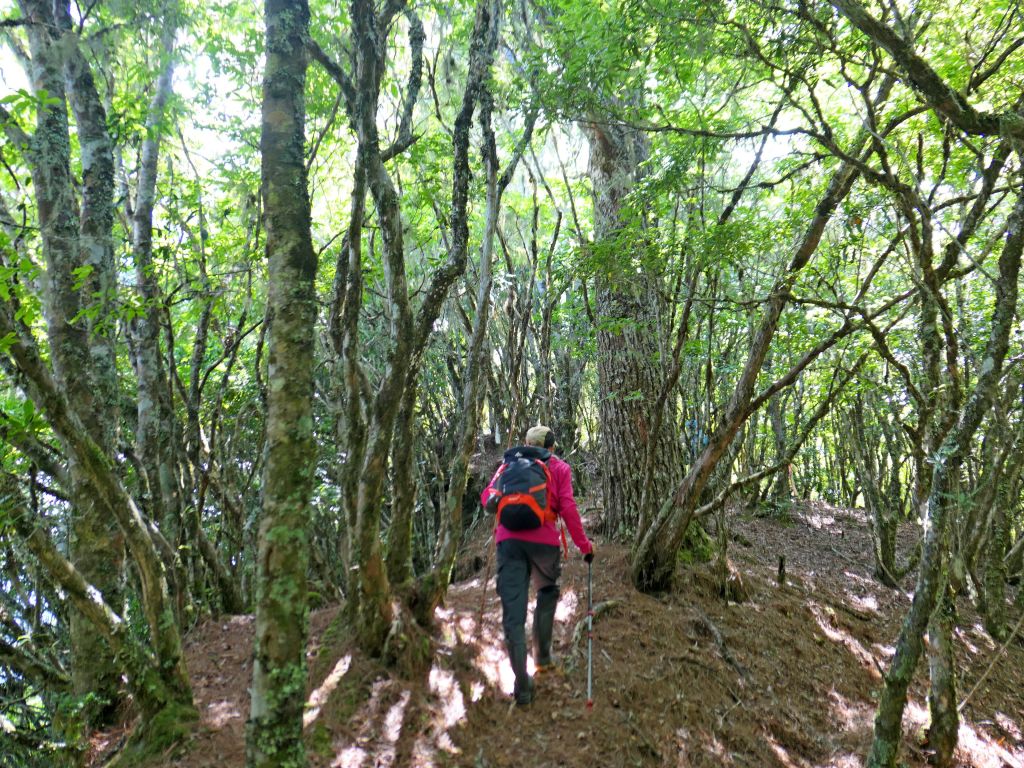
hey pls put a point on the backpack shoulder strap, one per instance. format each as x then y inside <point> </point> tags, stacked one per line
<point>546,468</point>
<point>551,516</point>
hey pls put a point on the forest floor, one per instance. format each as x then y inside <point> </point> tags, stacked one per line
<point>788,678</point>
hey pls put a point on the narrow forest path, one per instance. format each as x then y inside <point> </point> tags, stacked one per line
<point>785,679</point>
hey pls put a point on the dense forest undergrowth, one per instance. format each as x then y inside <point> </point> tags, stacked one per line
<point>787,678</point>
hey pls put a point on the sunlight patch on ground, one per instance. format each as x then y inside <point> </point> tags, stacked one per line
<point>455,627</point>
<point>567,605</point>
<point>884,651</point>
<point>466,628</point>
<point>981,751</point>
<point>818,521</point>
<point>962,637</point>
<point>352,757</point>
<point>448,625</point>
<point>722,753</point>
<point>423,753</point>
<point>444,685</point>
<point>782,754</point>
<point>682,756</point>
<point>847,760</point>
<point>915,716</point>
<point>853,716</point>
<point>385,757</point>
<point>321,694</point>
<point>868,583</point>
<point>476,691</point>
<point>465,586</point>
<point>452,710</point>
<point>826,620</point>
<point>492,661</point>
<point>979,637</point>
<point>1009,726</point>
<point>866,603</point>
<point>220,713</point>
<point>393,720</point>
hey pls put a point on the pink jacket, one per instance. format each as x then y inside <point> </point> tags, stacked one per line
<point>562,502</point>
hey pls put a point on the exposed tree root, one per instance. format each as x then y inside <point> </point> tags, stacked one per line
<point>581,626</point>
<point>716,634</point>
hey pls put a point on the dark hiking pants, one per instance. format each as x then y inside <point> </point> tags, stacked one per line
<point>519,562</point>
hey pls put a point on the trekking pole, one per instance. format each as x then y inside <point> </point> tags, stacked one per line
<point>590,635</point>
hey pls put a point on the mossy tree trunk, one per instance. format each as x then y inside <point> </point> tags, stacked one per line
<point>156,421</point>
<point>368,413</point>
<point>373,604</point>
<point>166,714</point>
<point>274,728</point>
<point>76,238</point>
<point>995,573</point>
<point>945,719</point>
<point>483,45</point>
<point>893,699</point>
<point>100,479</point>
<point>403,498</point>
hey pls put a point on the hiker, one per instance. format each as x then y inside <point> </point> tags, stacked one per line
<point>531,490</point>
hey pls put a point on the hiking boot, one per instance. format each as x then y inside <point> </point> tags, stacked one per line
<point>524,695</point>
<point>523,690</point>
<point>551,669</point>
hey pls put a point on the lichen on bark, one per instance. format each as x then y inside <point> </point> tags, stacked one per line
<point>274,728</point>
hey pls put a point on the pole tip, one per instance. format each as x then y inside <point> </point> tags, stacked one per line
<point>590,703</point>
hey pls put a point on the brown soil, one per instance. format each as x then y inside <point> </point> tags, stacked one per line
<point>785,679</point>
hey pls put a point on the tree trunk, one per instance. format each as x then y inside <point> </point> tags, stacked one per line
<point>403,497</point>
<point>374,610</point>
<point>436,582</point>
<point>892,701</point>
<point>945,719</point>
<point>781,498</point>
<point>371,599</point>
<point>629,337</point>
<point>654,557</point>
<point>82,356</point>
<point>100,479</point>
<point>155,416</point>
<point>274,729</point>
<point>166,715</point>
<point>994,609</point>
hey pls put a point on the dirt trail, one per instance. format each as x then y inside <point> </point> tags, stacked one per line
<point>786,679</point>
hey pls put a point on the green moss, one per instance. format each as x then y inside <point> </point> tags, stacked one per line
<point>698,547</point>
<point>320,742</point>
<point>346,699</point>
<point>155,739</point>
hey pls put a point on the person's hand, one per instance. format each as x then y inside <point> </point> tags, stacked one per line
<point>588,558</point>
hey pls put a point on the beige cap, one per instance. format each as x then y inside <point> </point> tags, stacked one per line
<point>537,435</point>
